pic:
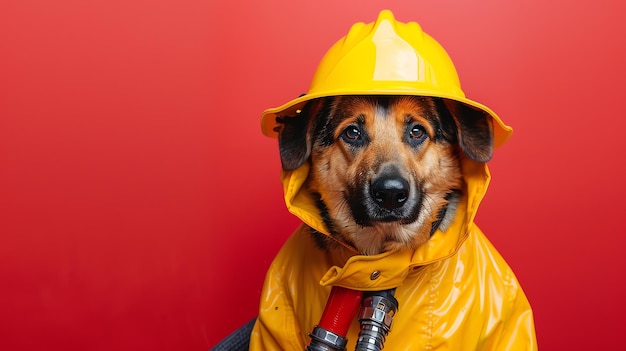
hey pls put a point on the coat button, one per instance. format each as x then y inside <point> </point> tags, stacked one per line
<point>375,275</point>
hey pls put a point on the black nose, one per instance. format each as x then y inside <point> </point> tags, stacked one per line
<point>390,191</point>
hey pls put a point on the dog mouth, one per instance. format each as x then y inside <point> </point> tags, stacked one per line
<point>369,214</point>
<point>390,218</point>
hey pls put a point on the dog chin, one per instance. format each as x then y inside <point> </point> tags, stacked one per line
<point>389,236</point>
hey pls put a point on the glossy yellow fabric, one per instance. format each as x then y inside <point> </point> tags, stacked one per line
<point>455,292</point>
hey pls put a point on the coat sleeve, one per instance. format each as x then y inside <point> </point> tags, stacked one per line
<point>515,329</point>
<point>276,327</point>
<point>518,328</point>
<point>291,284</point>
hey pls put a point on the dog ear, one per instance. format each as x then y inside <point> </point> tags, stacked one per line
<point>474,130</point>
<point>293,142</point>
<point>294,138</point>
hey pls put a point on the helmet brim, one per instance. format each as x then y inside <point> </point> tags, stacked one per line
<point>270,127</point>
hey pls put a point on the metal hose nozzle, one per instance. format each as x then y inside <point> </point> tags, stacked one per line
<point>377,311</point>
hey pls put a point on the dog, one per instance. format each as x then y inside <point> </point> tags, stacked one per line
<point>387,187</point>
<point>385,170</point>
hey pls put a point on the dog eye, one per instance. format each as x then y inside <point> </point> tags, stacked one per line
<point>351,134</point>
<point>417,132</point>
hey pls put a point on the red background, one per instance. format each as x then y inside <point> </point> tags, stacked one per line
<point>140,205</point>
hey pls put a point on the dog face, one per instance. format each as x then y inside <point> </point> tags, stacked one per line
<point>385,170</point>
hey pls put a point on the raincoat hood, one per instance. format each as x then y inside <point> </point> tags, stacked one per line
<point>354,273</point>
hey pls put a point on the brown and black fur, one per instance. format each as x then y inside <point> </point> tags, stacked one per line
<point>385,170</point>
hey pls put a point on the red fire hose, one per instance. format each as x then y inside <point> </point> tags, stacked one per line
<point>376,312</point>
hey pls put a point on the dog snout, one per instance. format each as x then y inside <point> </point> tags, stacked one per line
<point>390,191</point>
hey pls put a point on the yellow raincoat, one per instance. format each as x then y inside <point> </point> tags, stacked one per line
<point>455,292</point>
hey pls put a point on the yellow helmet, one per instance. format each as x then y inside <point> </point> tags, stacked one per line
<point>386,57</point>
